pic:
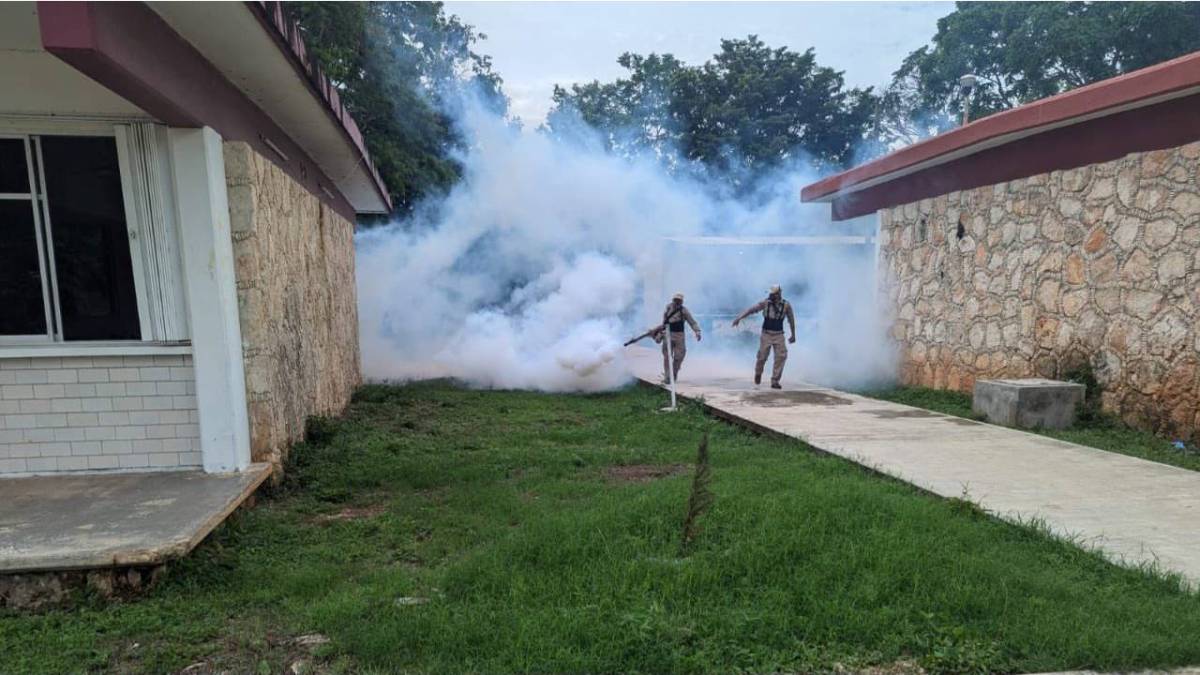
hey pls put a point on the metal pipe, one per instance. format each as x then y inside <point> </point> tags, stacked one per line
<point>670,363</point>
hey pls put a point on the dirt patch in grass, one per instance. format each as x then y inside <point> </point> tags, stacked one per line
<point>896,668</point>
<point>644,473</point>
<point>352,513</point>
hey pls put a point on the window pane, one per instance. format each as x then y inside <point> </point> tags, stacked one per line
<point>22,308</point>
<point>91,245</point>
<point>14,172</point>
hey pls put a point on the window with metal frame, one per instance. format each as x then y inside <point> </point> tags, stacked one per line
<point>87,239</point>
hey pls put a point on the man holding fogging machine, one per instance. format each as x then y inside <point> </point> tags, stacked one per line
<point>774,310</point>
<point>674,316</point>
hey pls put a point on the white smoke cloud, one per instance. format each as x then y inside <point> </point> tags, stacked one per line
<point>548,253</point>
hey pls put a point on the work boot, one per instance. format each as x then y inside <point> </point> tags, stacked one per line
<point>758,378</point>
<point>775,384</point>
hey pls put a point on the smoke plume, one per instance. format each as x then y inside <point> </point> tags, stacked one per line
<point>549,253</point>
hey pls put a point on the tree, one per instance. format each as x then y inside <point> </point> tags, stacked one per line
<point>1022,52</point>
<point>748,110</point>
<point>633,115</point>
<point>398,67</point>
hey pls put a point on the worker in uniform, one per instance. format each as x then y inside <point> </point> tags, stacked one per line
<point>674,317</point>
<point>774,310</point>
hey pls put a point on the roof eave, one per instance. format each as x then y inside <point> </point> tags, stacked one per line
<point>1161,82</point>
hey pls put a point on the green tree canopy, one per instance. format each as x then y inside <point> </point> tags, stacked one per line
<point>397,66</point>
<point>1026,51</point>
<point>749,109</point>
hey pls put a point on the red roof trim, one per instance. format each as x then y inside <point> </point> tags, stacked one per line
<point>287,36</point>
<point>1158,80</point>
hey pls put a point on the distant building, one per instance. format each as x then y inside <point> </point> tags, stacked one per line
<point>178,190</point>
<point>1061,234</point>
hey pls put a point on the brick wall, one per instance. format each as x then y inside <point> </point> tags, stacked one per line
<point>104,412</point>
<point>1096,266</point>
<point>296,301</point>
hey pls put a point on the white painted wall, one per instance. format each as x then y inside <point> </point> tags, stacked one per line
<point>89,413</point>
<point>210,287</point>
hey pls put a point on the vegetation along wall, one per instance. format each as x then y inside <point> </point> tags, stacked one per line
<point>1093,267</point>
<point>296,300</point>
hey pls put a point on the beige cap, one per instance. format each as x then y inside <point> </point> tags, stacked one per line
<point>677,296</point>
<point>774,289</point>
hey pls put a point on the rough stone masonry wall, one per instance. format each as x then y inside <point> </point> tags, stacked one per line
<point>296,300</point>
<point>1098,265</point>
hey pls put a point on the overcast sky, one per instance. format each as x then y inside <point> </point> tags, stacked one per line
<point>535,45</point>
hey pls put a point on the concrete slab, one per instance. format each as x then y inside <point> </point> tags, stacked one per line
<point>1031,403</point>
<point>87,521</point>
<point>1132,510</point>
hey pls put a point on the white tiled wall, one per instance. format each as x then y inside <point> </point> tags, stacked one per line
<point>99,412</point>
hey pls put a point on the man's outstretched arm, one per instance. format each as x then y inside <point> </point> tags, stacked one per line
<point>754,309</point>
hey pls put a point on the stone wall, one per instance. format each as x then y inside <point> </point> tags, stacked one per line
<point>1096,266</point>
<point>296,300</point>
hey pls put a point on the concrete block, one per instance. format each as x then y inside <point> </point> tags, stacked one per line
<point>79,390</point>
<point>41,464</point>
<point>67,376</point>
<point>155,373</point>
<point>111,389</point>
<point>51,420</point>
<point>31,406</point>
<point>70,434</point>
<point>48,391</point>
<point>39,435</point>
<point>32,377</point>
<point>124,374</point>
<point>99,433</point>
<point>12,465</point>
<point>97,405</point>
<point>140,389</point>
<point>16,391</point>
<point>158,403</point>
<point>83,448</point>
<point>127,403</point>
<point>81,420</point>
<point>66,405</point>
<point>1028,403</point>
<point>93,375</point>
<point>117,447</point>
<point>102,462</point>
<point>133,461</point>
<point>129,433</point>
<point>112,419</point>
<point>146,417</point>
<point>72,463</point>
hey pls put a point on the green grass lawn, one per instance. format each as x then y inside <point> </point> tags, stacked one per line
<point>1095,430</point>
<point>485,532</point>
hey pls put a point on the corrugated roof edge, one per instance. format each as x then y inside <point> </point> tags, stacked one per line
<point>286,34</point>
<point>1154,81</point>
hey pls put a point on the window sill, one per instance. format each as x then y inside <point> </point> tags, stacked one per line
<point>94,349</point>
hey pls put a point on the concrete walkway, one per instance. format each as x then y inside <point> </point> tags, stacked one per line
<point>1134,511</point>
<point>84,521</point>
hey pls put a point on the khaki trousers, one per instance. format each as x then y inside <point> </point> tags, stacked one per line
<point>769,340</point>
<point>678,351</point>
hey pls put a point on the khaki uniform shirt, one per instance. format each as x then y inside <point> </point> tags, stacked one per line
<point>780,310</point>
<point>672,314</point>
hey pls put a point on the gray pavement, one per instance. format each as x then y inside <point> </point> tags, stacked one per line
<point>1132,510</point>
<point>83,521</point>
